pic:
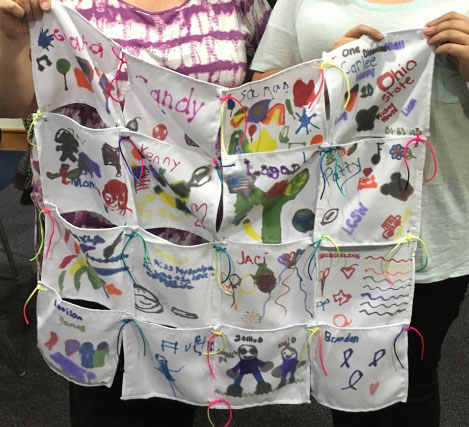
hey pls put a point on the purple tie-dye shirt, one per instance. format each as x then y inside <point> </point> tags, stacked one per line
<point>210,40</point>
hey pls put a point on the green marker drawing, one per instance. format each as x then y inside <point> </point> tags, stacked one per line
<point>289,108</point>
<point>272,202</point>
<point>63,67</point>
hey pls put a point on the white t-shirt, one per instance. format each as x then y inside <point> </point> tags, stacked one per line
<point>300,30</point>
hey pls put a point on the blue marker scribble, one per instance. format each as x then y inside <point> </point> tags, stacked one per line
<point>45,39</point>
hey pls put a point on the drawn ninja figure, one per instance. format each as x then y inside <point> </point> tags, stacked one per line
<point>288,366</point>
<point>248,364</point>
<point>67,144</point>
<point>164,369</point>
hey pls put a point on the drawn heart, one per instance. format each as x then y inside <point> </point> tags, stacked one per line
<point>195,209</point>
<point>302,92</point>
<point>323,274</point>
<point>374,387</point>
<point>348,271</point>
<point>367,171</point>
<point>291,257</point>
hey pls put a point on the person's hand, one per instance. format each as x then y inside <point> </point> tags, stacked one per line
<point>15,14</point>
<point>450,33</point>
<point>356,32</point>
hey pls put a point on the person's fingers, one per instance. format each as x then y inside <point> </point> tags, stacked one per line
<point>450,36</point>
<point>45,4</point>
<point>447,17</point>
<point>342,41</point>
<point>364,30</point>
<point>455,25</point>
<point>24,4</point>
<point>457,50</point>
<point>12,8</point>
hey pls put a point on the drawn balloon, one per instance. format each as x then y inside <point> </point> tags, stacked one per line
<point>63,67</point>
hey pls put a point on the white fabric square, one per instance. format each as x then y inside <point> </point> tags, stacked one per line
<point>172,107</point>
<point>173,364</point>
<point>178,188</point>
<point>177,286</point>
<point>390,86</point>
<point>367,191</point>
<point>269,285</point>
<point>261,367</point>
<point>283,111</point>
<point>86,264</point>
<point>78,343</point>
<point>82,169</point>
<point>365,286</point>
<point>74,63</point>
<point>362,365</point>
<point>270,197</point>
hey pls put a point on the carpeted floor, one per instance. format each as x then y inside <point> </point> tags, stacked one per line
<point>39,398</point>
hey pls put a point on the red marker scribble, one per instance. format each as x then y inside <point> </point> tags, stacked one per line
<point>52,341</point>
<point>112,290</point>
<point>141,77</point>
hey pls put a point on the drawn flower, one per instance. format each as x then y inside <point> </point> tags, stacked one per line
<point>397,151</point>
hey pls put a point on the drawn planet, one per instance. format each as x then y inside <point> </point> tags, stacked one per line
<point>160,132</point>
<point>303,220</point>
<point>264,278</point>
<point>258,111</point>
<point>71,347</point>
<point>146,301</point>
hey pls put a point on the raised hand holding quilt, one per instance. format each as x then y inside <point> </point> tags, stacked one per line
<point>307,284</point>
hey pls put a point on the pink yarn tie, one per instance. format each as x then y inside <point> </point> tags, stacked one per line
<point>228,97</point>
<point>119,71</point>
<point>417,139</point>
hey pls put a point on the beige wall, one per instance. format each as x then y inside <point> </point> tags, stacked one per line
<point>11,123</point>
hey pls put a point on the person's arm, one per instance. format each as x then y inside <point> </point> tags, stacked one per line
<point>17,97</point>
<point>278,48</point>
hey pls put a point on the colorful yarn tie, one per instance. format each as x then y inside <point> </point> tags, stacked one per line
<point>409,238</point>
<point>127,138</point>
<point>417,139</point>
<point>125,322</point>
<point>347,81</point>
<point>146,258</point>
<point>222,126</point>
<point>217,271</point>
<point>215,402</point>
<point>316,244</point>
<point>122,62</point>
<point>305,347</point>
<point>37,288</point>
<point>409,328</point>
<point>41,227</point>
<point>213,353</point>
<point>336,159</point>
<point>219,166</point>
<point>36,116</point>
<point>316,95</point>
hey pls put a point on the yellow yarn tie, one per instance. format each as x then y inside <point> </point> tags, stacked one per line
<point>347,80</point>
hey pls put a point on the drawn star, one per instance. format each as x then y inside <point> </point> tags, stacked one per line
<point>45,39</point>
<point>341,298</point>
<point>305,121</point>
